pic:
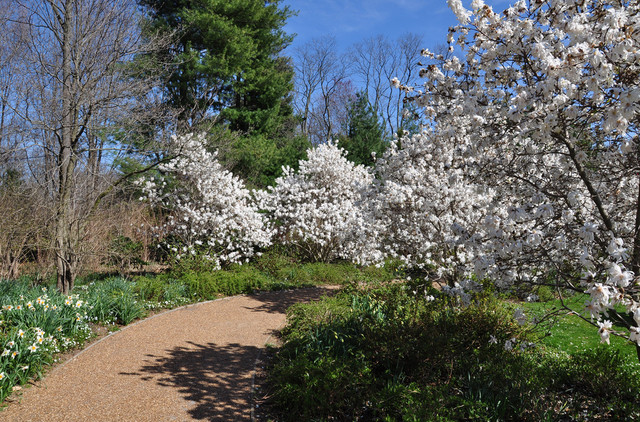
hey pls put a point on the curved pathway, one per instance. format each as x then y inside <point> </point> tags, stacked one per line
<point>193,363</point>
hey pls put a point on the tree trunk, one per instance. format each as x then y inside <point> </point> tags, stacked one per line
<point>635,257</point>
<point>65,257</point>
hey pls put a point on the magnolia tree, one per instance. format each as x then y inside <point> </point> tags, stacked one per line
<point>211,212</point>
<point>544,108</point>
<point>317,208</point>
<point>427,208</point>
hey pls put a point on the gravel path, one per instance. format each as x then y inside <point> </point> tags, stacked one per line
<point>190,364</point>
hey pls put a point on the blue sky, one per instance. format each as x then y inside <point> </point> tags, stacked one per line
<point>351,21</point>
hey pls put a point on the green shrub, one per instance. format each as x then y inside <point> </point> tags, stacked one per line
<point>391,354</point>
<point>189,264</point>
<point>602,381</point>
<point>161,291</point>
<point>210,285</point>
<point>125,253</point>
<point>545,293</point>
<point>293,276</point>
<point>274,260</point>
<point>151,288</point>
<point>338,273</point>
<point>391,270</point>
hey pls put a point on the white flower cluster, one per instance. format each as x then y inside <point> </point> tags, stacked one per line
<point>532,152</point>
<point>212,213</point>
<point>318,208</point>
<point>427,209</point>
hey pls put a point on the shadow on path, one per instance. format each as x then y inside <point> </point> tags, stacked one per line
<point>216,379</point>
<point>279,301</point>
<point>208,375</point>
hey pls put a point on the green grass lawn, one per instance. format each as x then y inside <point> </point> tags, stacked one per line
<point>570,333</point>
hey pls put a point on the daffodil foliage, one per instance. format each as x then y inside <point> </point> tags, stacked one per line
<point>533,125</point>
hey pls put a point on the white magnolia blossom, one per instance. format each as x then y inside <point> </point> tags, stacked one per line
<point>212,213</point>
<point>428,210</point>
<point>604,330</point>
<point>318,207</point>
<point>460,290</point>
<point>634,335</point>
<point>527,170</point>
<point>536,121</point>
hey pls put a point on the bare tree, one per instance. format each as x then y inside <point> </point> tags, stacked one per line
<point>9,50</point>
<point>374,62</point>
<point>329,114</point>
<point>75,83</point>
<point>326,81</point>
<point>320,75</point>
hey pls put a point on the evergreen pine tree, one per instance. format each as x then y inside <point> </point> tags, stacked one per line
<point>227,72</point>
<point>364,133</point>
<point>225,61</point>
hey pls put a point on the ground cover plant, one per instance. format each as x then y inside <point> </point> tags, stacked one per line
<point>403,353</point>
<point>277,268</point>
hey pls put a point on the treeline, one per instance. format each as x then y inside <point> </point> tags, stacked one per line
<point>92,91</point>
